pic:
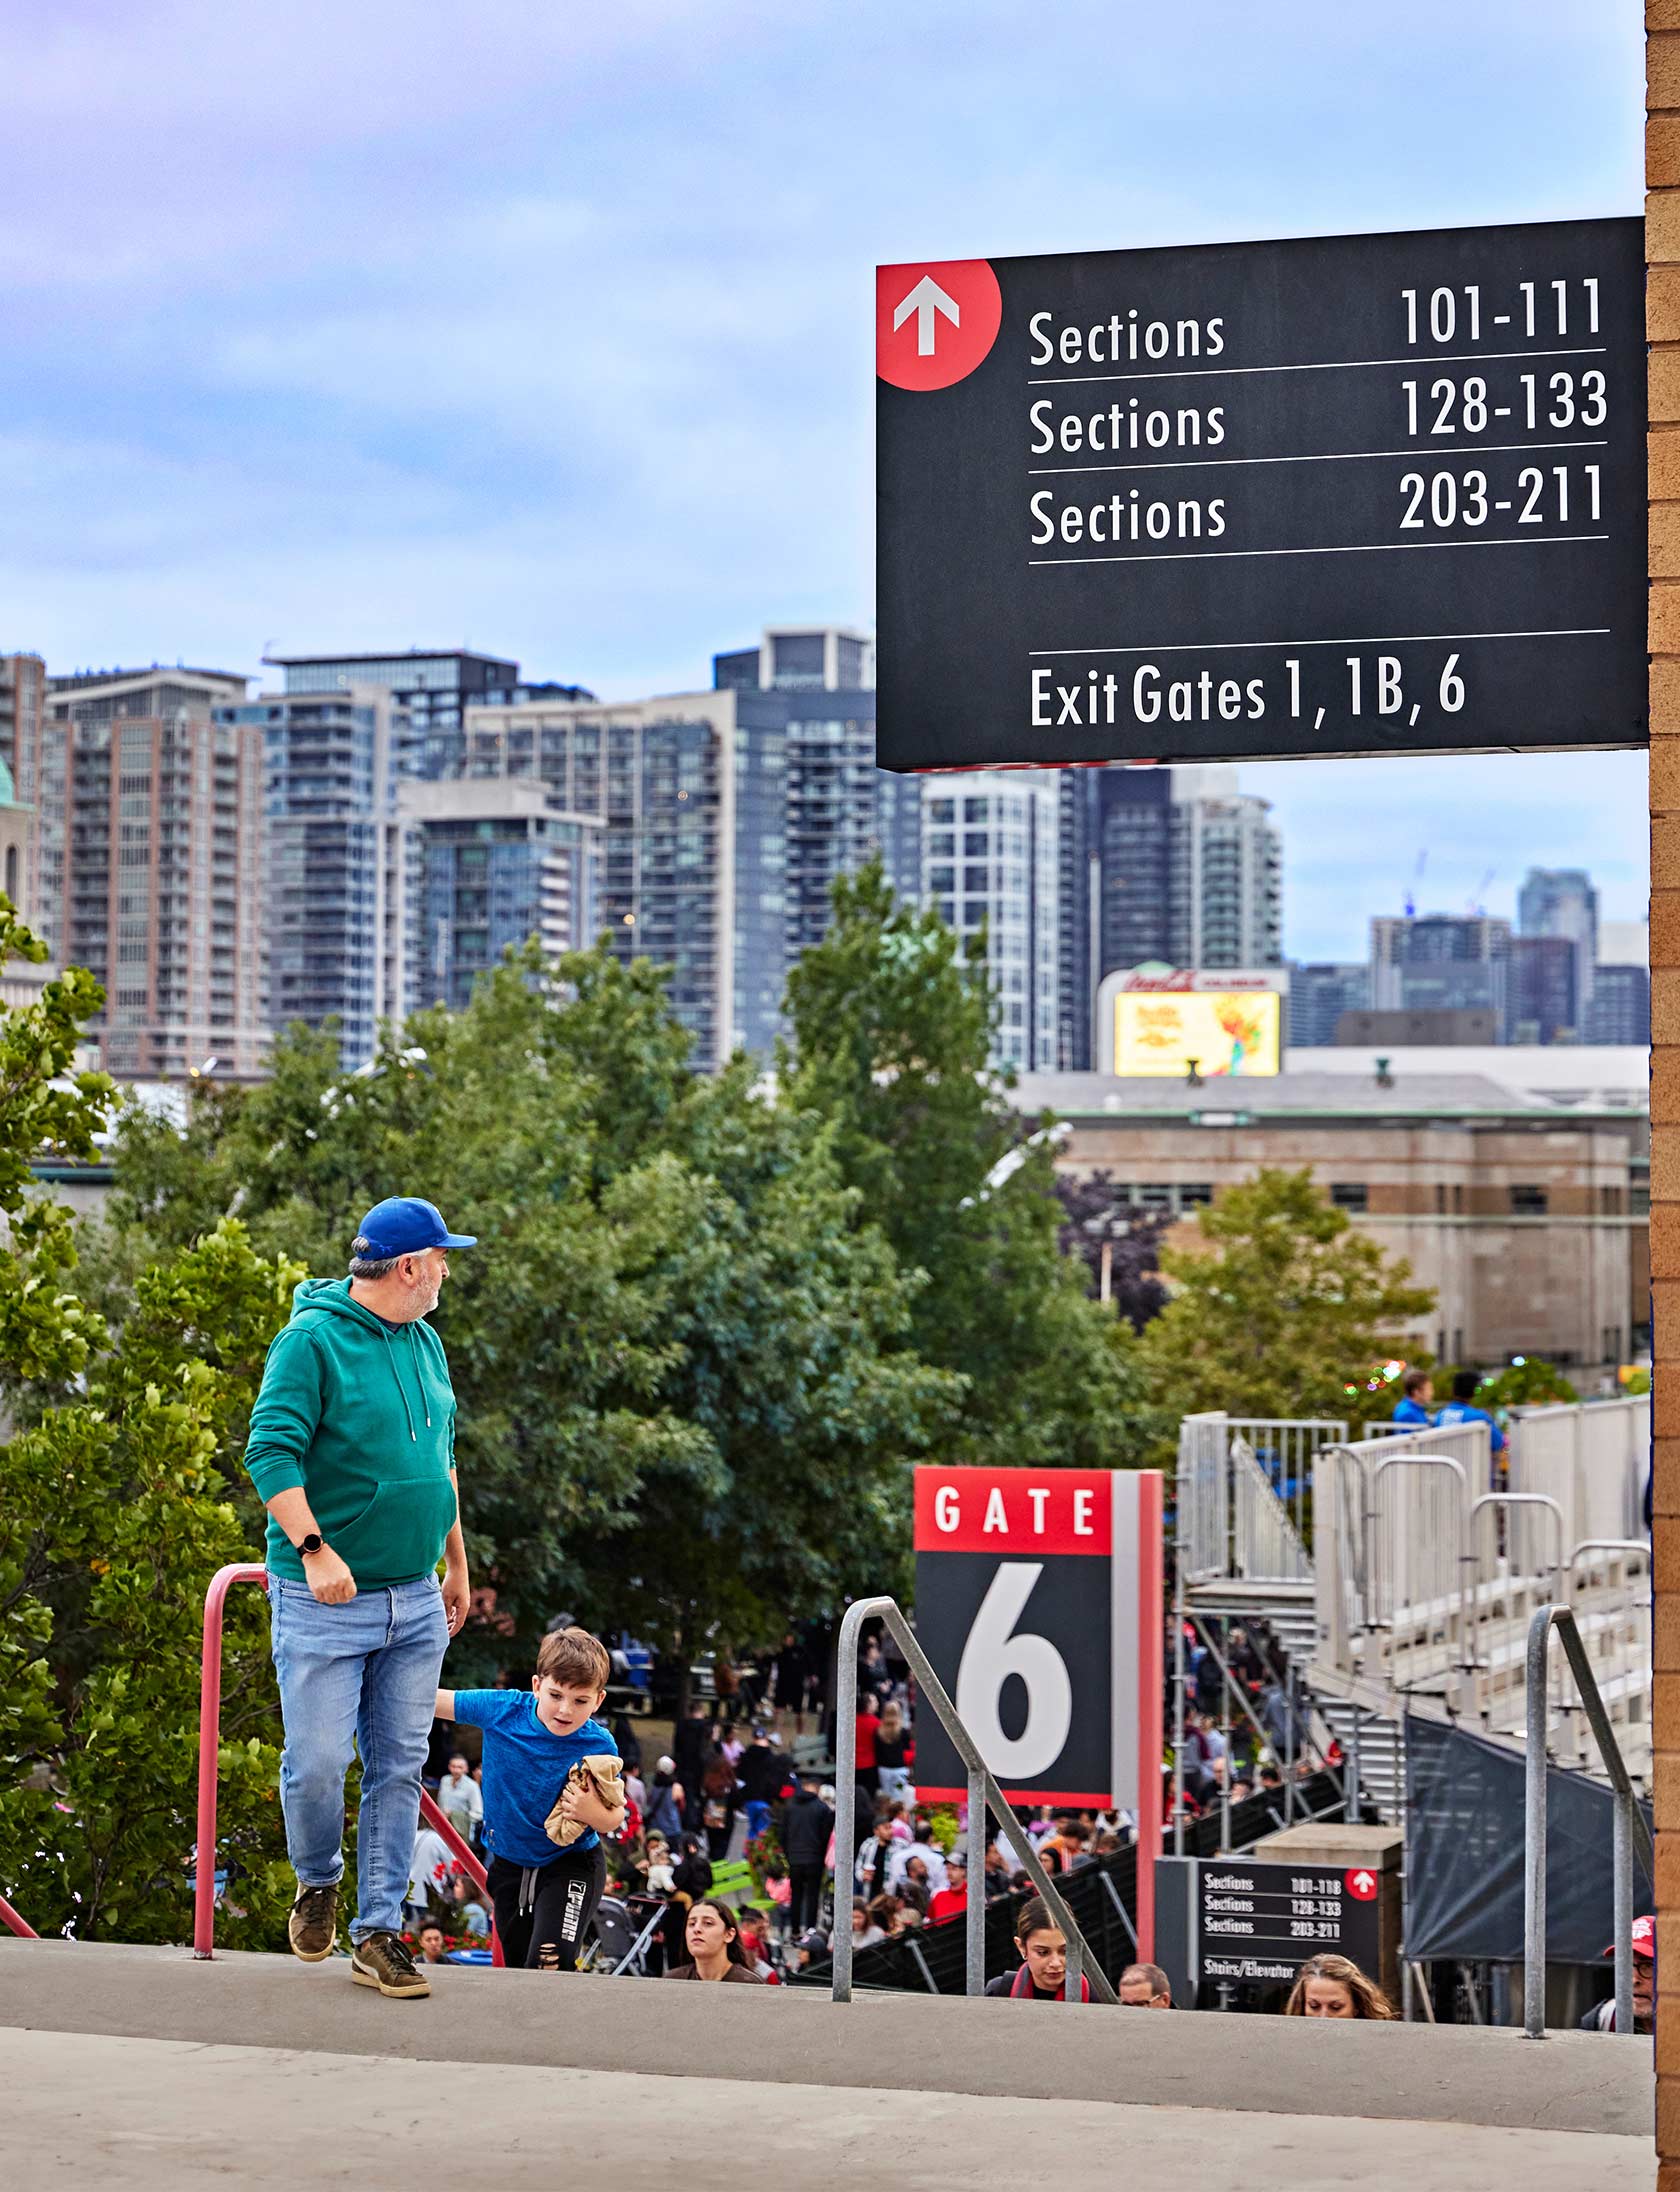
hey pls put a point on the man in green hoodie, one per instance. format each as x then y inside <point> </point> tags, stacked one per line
<point>352,1451</point>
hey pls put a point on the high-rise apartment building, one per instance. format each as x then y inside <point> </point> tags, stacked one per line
<point>1319,994</point>
<point>1543,994</point>
<point>342,898</point>
<point>23,703</point>
<point>1227,874</point>
<point>1174,865</point>
<point>817,684</point>
<point>990,844</point>
<point>1440,962</point>
<point>692,791</point>
<point>501,864</point>
<point>1619,1010</point>
<point>432,687</point>
<point>1563,902</point>
<point>151,857</point>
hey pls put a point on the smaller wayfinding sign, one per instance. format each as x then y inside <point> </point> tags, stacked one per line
<point>1038,1599</point>
<point>1346,494</point>
<point>1259,1923</point>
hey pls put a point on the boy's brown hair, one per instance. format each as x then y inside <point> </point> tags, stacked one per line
<point>573,1655</point>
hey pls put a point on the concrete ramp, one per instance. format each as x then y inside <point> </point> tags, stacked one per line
<point>137,2067</point>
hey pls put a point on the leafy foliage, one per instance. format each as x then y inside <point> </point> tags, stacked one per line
<point>892,1026</point>
<point>1531,1383</point>
<point>1094,1218</point>
<point>112,1521</point>
<point>1280,1309</point>
<point>678,1349</point>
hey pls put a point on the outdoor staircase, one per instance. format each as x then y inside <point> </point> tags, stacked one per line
<point>1379,1743</point>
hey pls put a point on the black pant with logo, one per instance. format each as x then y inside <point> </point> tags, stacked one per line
<point>543,1911</point>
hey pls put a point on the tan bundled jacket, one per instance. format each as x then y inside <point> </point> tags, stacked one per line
<point>601,1776</point>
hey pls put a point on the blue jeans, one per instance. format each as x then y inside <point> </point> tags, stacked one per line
<point>366,1672</point>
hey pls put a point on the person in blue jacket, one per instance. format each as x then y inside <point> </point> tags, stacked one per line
<point>1412,1409</point>
<point>1459,1410</point>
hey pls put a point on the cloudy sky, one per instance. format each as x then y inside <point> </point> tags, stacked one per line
<point>546,325</point>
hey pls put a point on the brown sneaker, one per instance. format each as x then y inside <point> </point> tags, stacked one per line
<point>383,1961</point>
<point>312,1927</point>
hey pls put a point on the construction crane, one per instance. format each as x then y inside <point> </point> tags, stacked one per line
<point>1478,900</point>
<point>1417,878</point>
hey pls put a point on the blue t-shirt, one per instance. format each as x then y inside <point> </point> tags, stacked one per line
<point>1413,1413</point>
<point>1460,1411</point>
<point>525,1768</point>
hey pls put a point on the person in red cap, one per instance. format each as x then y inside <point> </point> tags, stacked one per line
<point>1643,1940</point>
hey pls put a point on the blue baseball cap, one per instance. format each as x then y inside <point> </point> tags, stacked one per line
<point>403,1225</point>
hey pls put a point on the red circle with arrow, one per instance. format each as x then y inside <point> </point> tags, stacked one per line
<point>1361,1884</point>
<point>934,323</point>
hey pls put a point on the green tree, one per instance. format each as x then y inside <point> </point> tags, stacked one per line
<point>1281,1309</point>
<point>893,1026</point>
<point>679,1351</point>
<point>112,1520</point>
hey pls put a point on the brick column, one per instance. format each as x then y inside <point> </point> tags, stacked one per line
<point>1662,253</point>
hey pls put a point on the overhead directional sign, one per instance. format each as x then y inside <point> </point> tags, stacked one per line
<point>1342,495</point>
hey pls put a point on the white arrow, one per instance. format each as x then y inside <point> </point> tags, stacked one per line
<point>925,300</point>
<point>1362,1881</point>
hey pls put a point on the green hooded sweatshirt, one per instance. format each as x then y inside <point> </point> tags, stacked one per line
<point>361,1413</point>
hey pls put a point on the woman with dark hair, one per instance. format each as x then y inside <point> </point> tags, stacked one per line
<point>1043,1973</point>
<point>893,1750</point>
<point>713,1935</point>
<point>1334,1986</point>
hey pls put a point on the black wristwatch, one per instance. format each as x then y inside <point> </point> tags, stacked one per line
<point>313,1543</point>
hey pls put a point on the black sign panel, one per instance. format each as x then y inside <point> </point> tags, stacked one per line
<point>1260,1923</point>
<point>1361,494</point>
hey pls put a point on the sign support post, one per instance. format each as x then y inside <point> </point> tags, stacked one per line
<point>1662,305</point>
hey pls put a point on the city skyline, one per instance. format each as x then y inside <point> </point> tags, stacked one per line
<point>579,397</point>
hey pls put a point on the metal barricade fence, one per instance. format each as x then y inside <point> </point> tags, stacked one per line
<point>1243,1495</point>
<point>1591,1458</point>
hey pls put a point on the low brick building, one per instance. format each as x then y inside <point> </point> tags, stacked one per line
<point>1527,1217</point>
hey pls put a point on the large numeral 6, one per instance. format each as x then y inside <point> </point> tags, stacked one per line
<point>993,1653</point>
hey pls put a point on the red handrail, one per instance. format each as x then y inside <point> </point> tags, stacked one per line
<point>9,1917</point>
<point>209,1747</point>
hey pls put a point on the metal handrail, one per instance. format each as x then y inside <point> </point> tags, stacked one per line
<point>16,1924</point>
<point>209,1748</point>
<point>1628,1821</point>
<point>983,1795</point>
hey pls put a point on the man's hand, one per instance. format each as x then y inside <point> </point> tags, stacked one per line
<point>329,1578</point>
<point>457,1594</point>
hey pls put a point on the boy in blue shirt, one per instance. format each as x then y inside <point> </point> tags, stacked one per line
<point>1416,1392</point>
<point>544,1896</point>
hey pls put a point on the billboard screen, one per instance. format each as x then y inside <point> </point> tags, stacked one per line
<point>1159,1028</point>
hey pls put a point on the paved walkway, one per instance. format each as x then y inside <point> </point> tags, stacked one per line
<point>171,2115</point>
<point>138,2067</point>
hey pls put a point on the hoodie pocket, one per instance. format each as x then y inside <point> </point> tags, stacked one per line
<point>400,1533</point>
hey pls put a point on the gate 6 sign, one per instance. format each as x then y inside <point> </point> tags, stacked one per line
<point>1038,1599</point>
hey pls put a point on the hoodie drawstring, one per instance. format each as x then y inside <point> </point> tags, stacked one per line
<point>390,1356</point>
<point>418,1379</point>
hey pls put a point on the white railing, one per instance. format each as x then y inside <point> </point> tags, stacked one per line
<point>1427,1581</point>
<point>1243,1496</point>
<point>1591,1458</point>
<point>1391,1541</point>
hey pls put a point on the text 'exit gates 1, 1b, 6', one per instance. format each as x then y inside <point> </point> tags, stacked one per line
<point>1336,495</point>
